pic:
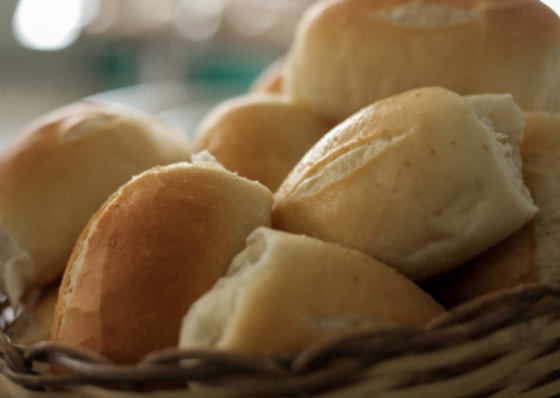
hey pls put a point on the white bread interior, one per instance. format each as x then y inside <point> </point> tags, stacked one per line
<point>284,292</point>
<point>532,254</point>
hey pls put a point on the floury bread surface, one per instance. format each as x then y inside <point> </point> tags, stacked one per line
<point>56,175</point>
<point>155,247</point>
<point>284,292</point>
<point>533,253</point>
<point>347,54</point>
<point>422,181</point>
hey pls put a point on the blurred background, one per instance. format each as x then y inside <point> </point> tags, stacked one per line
<point>175,58</point>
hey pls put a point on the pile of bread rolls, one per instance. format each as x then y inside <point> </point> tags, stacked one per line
<point>402,159</point>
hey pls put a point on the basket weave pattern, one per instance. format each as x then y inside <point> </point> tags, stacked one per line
<point>503,345</point>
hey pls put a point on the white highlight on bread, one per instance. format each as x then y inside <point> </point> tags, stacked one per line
<point>90,126</point>
<point>344,165</point>
<point>426,15</point>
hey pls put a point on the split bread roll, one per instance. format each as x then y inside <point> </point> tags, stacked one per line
<point>35,323</point>
<point>259,136</point>
<point>347,54</point>
<point>533,253</point>
<point>154,248</point>
<point>56,175</point>
<point>422,181</point>
<point>284,292</point>
<point>271,80</point>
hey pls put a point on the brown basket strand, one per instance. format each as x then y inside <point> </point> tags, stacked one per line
<point>503,345</point>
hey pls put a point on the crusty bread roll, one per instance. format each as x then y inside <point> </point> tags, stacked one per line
<point>347,54</point>
<point>259,136</point>
<point>35,322</point>
<point>58,172</point>
<point>271,80</point>
<point>284,292</point>
<point>422,181</point>
<point>155,247</point>
<point>533,253</point>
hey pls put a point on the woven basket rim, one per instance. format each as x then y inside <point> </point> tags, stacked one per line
<point>454,343</point>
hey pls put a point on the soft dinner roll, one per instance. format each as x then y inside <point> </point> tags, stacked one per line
<point>533,253</point>
<point>155,247</point>
<point>347,54</point>
<point>271,80</point>
<point>35,323</point>
<point>259,136</point>
<point>58,172</point>
<point>422,181</point>
<point>284,292</point>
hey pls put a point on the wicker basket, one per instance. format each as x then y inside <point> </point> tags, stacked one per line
<point>503,345</point>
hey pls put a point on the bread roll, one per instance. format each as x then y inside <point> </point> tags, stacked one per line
<point>284,292</point>
<point>35,323</point>
<point>533,253</point>
<point>155,247</point>
<point>58,172</point>
<point>271,80</point>
<point>422,181</point>
<point>347,54</point>
<point>261,137</point>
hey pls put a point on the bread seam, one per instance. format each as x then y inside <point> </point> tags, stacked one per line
<point>425,15</point>
<point>91,126</point>
<point>368,152</point>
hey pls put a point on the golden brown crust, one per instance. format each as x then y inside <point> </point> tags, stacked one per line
<point>508,264</point>
<point>62,168</point>
<point>261,137</point>
<point>347,54</point>
<point>161,243</point>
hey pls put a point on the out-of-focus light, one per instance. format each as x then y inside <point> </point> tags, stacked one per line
<point>146,16</point>
<point>554,4</point>
<point>104,17</point>
<point>90,11</point>
<point>47,25</point>
<point>199,20</point>
<point>251,18</point>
